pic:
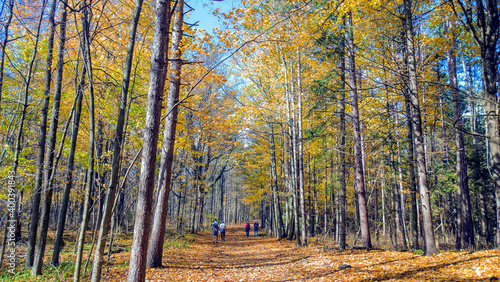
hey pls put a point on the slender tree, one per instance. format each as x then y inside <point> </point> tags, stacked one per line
<point>416,119</point>
<point>35,206</point>
<point>358,158</point>
<point>47,189</point>
<point>274,186</point>
<point>159,62</point>
<point>300,152</point>
<point>342,154</point>
<point>482,21</point>
<point>85,42</point>
<point>155,249</point>
<point>465,229</point>
<point>118,141</point>
<point>69,173</point>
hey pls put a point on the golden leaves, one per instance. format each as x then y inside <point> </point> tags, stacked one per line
<point>242,258</point>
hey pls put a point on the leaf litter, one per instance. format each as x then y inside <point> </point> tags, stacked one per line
<point>242,258</point>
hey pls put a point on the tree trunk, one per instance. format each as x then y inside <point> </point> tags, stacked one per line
<point>274,186</point>
<point>430,244</point>
<point>159,62</point>
<point>293,156</point>
<point>47,198</point>
<point>301,153</point>
<point>69,173</point>
<point>342,218</point>
<point>485,34</point>
<point>400,195</point>
<point>155,249</point>
<point>90,170</point>
<point>30,252</point>
<point>413,187</point>
<point>314,205</point>
<point>463,197</point>
<point>358,158</point>
<point>117,147</point>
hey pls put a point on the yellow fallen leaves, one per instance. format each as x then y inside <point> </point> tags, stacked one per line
<point>264,259</point>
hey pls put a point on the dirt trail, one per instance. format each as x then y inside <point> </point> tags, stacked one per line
<point>263,258</point>
<point>238,258</point>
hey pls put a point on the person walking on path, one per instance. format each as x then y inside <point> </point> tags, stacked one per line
<point>256,228</point>
<point>215,226</point>
<point>247,227</point>
<point>222,231</point>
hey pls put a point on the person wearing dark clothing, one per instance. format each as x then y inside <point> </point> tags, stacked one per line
<point>256,229</point>
<point>215,226</point>
<point>247,228</point>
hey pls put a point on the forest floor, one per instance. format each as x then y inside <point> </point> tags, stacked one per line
<point>263,258</point>
<point>240,258</point>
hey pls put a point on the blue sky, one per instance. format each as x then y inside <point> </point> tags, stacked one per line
<point>203,12</point>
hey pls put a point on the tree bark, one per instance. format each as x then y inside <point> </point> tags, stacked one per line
<point>483,23</point>
<point>69,173</point>
<point>400,205</point>
<point>30,252</point>
<point>342,218</point>
<point>274,186</point>
<point>464,219</point>
<point>155,249</point>
<point>413,187</point>
<point>358,158</point>
<point>300,152</point>
<point>118,141</point>
<point>430,244</point>
<point>159,63</point>
<point>85,41</point>
<point>47,198</point>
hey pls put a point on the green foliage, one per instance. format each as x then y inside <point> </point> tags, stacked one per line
<point>418,252</point>
<point>62,272</point>
<point>178,242</point>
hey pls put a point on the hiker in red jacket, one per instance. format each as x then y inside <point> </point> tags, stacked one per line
<point>247,227</point>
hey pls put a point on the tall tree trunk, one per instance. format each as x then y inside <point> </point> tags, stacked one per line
<point>293,153</point>
<point>342,218</point>
<point>47,189</point>
<point>69,172</point>
<point>85,41</point>
<point>118,141</point>
<point>465,228</point>
<point>159,62</point>
<point>300,152</point>
<point>314,204</point>
<point>358,158</point>
<point>485,34</point>
<point>399,195</point>
<point>30,252</point>
<point>155,249</point>
<point>274,186</point>
<point>222,214</point>
<point>413,187</point>
<point>430,244</point>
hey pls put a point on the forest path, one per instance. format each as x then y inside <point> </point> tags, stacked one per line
<point>263,258</point>
<point>238,258</point>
